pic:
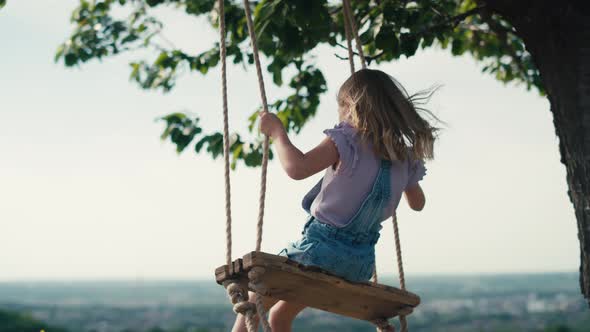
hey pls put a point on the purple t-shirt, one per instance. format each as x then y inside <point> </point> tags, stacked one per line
<point>344,189</point>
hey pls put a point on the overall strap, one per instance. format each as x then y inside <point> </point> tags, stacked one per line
<point>385,174</point>
<point>366,222</point>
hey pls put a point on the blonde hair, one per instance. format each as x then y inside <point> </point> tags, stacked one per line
<point>386,116</point>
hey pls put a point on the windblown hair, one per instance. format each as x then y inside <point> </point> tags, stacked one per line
<point>386,116</point>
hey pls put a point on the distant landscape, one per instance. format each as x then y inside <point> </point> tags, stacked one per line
<point>534,302</point>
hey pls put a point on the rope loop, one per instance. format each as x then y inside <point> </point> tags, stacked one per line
<point>403,323</point>
<point>236,293</point>
<point>262,314</point>
<point>239,298</point>
<point>245,308</point>
<point>383,325</point>
<point>254,276</point>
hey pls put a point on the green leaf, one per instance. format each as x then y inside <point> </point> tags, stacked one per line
<point>70,59</point>
<point>59,52</point>
<point>130,38</point>
<point>161,59</point>
<point>2,3</point>
<point>409,44</point>
<point>276,68</point>
<point>427,40</point>
<point>387,41</point>
<point>200,144</point>
<point>457,46</point>
<point>252,120</point>
<point>154,3</point>
<point>236,154</point>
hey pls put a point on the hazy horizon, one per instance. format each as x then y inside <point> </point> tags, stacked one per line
<point>386,278</point>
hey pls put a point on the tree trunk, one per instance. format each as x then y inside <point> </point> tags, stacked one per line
<point>557,34</point>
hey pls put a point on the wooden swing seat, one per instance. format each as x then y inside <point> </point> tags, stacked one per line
<point>284,279</point>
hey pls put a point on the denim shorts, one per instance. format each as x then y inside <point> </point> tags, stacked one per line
<point>334,251</point>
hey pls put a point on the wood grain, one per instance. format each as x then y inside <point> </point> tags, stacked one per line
<point>290,281</point>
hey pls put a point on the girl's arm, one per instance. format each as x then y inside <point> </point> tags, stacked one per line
<point>298,165</point>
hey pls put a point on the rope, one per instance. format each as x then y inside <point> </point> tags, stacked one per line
<point>348,38</point>
<point>237,294</point>
<point>239,298</point>
<point>382,325</point>
<point>400,267</point>
<point>398,251</point>
<point>264,110</point>
<point>254,275</point>
<point>222,54</point>
<point>352,25</point>
<point>375,278</point>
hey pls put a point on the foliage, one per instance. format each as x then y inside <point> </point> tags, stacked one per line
<point>288,30</point>
<point>14,322</point>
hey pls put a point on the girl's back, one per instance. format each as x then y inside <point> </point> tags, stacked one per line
<point>345,187</point>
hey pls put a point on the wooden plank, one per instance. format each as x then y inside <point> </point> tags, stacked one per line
<point>225,272</point>
<point>222,273</point>
<point>287,280</point>
<point>313,273</point>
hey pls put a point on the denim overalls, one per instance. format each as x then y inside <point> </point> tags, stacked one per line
<point>349,251</point>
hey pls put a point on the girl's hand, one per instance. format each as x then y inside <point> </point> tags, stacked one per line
<point>271,125</point>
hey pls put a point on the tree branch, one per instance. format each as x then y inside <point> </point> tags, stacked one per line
<point>502,33</point>
<point>454,20</point>
<point>368,58</point>
<point>486,15</point>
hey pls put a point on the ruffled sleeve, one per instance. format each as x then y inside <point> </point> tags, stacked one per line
<point>416,172</point>
<point>344,137</point>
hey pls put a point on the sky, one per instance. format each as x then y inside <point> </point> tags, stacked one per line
<point>89,191</point>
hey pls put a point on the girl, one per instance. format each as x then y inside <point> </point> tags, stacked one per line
<point>370,158</point>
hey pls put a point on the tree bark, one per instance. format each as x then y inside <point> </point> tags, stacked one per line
<point>557,34</point>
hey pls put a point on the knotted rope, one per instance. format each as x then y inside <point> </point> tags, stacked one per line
<point>239,298</point>
<point>254,276</point>
<point>237,293</point>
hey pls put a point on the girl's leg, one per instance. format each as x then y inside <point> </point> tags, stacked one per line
<point>282,315</point>
<point>240,323</point>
